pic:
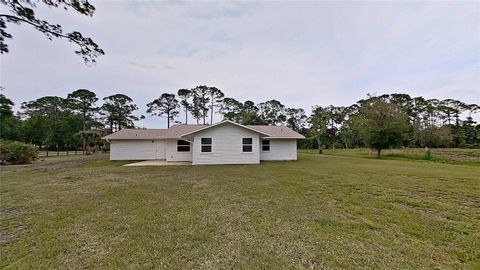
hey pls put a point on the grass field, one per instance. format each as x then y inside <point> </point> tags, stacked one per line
<point>470,157</point>
<point>322,211</point>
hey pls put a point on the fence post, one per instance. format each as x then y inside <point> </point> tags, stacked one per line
<point>75,152</point>
<point>67,152</point>
<point>47,152</point>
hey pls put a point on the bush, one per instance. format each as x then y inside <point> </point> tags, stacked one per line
<point>105,148</point>
<point>12,152</point>
<point>435,137</point>
<point>337,145</point>
<point>307,143</point>
<point>428,154</point>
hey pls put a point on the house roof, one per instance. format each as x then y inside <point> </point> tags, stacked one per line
<point>278,131</point>
<point>178,131</point>
<point>174,131</point>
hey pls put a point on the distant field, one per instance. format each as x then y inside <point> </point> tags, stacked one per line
<point>443,155</point>
<point>342,210</point>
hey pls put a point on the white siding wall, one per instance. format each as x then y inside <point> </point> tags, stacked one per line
<point>132,150</point>
<point>280,149</point>
<point>173,155</point>
<point>226,146</point>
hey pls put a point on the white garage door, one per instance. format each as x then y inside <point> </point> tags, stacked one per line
<point>133,150</point>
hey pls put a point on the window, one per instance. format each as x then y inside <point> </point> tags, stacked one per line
<point>183,146</point>
<point>206,145</point>
<point>265,145</point>
<point>247,144</point>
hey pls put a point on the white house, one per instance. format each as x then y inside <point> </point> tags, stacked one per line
<point>225,142</point>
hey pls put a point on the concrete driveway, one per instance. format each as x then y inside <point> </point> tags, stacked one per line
<point>159,162</point>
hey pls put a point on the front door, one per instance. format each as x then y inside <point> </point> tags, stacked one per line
<point>160,145</point>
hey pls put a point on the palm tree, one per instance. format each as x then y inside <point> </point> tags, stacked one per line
<point>90,137</point>
<point>83,101</point>
<point>96,139</point>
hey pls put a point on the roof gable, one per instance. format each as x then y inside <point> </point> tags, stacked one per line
<point>222,123</point>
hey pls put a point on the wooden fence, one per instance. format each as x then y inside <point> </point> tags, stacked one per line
<point>46,153</point>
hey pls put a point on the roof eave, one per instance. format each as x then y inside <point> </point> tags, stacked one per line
<point>135,138</point>
<point>276,137</point>
<point>142,138</point>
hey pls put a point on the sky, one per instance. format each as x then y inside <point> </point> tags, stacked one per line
<point>301,53</point>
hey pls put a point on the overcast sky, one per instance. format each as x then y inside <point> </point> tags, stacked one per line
<point>301,53</point>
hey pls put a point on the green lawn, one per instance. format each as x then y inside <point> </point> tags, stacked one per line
<point>470,157</point>
<point>323,211</point>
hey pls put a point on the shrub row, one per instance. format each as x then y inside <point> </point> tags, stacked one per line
<point>13,152</point>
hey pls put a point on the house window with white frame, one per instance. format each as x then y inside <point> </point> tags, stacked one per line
<point>206,145</point>
<point>247,145</point>
<point>183,146</point>
<point>265,145</point>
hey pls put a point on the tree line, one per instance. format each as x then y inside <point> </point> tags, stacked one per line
<point>395,120</point>
<point>203,102</point>
<point>66,123</point>
<point>379,122</point>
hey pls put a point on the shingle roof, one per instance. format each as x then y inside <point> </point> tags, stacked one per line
<point>277,131</point>
<point>176,131</point>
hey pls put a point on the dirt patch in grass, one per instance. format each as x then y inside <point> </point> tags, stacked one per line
<point>42,167</point>
<point>459,154</point>
<point>6,236</point>
<point>61,165</point>
<point>10,212</point>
